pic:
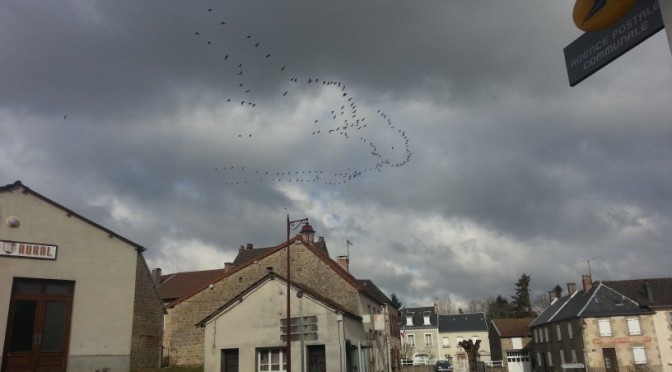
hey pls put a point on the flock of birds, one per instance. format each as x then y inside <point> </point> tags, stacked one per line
<point>345,120</point>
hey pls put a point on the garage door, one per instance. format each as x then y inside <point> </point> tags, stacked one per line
<point>518,361</point>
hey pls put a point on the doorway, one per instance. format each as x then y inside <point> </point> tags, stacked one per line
<point>317,361</point>
<point>610,361</point>
<point>38,326</point>
<point>229,360</point>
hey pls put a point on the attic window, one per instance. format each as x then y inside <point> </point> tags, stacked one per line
<point>409,319</point>
<point>425,318</point>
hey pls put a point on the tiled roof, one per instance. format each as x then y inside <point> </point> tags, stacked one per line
<point>274,276</point>
<point>513,327</point>
<point>178,285</point>
<point>636,290</point>
<point>462,323</point>
<point>599,301</point>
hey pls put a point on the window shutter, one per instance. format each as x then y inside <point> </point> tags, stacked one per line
<point>633,326</point>
<point>558,331</point>
<point>639,354</point>
<point>550,359</point>
<point>569,331</point>
<point>605,327</point>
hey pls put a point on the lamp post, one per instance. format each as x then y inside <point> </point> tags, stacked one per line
<point>308,234</point>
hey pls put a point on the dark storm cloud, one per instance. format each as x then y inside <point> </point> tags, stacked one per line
<point>125,111</point>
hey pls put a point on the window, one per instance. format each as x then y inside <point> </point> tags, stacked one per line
<point>546,334</point>
<point>409,319</point>
<point>574,360</point>
<point>536,339</point>
<point>633,326</point>
<point>605,327</point>
<point>459,339</point>
<point>558,331</point>
<point>271,360</point>
<point>541,361</point>
<point>516,343</point>
<point>425,318</point>
<point>639,354</point>
<point>562,357</point>
<point>445,342</point>
<point>570,333</point>
<point>428,339</point>
<point>410,340</point>
<point>549,360</point>
<point>474,339</point>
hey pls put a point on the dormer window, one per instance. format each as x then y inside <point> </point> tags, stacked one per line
<point>425,318</point>
<point>409,319</point>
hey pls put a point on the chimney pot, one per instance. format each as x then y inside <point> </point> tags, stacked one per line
<point>156,276</point>
<point>344,261</point>
<point>587,283</point>
<point>571,288</point>
<point>242,248</point>
<point>249,246</point>
<point>552,296</point>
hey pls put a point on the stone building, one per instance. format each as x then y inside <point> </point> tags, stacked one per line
<point>74,296</point>
<point>595,328</point>
<point>510,343</point>
<point>190,301</point>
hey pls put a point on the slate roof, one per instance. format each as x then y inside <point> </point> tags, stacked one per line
<point>512,327</point>
<point>636,289</point>
<point>374,291</point>
<point>599,301</point>
<point>462,323</point>
<point>419,317</point>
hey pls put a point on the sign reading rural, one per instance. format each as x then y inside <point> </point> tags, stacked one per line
<point>613,28</point>
<point>27,250</point>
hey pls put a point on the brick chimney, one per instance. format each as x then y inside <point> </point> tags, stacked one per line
<point>587,283</point>
<point>344,261</point>
<point>242,248</point>
<point>552,296</point>
<point>249,246</point>
<point>571,288</point>
<point>228,266</point>
<point>156,276</point>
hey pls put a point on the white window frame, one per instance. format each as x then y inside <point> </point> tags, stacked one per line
<point>549,358</point>
<point>634,327</point>
<point>639,354</point>
<point>570,331</point>
<point>281,360</point>
<point>558,331</point>
<point>426,318</point>
<point>604,326</point>
<point>409,320</point>
<point>410,340</point>
<point>428,337</point>
<point>445,342</point>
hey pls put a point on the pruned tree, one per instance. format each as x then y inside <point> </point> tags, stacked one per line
<point>471,348</point>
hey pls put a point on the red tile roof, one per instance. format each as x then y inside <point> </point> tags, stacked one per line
<point>178,285</point>
<point>513,327</point>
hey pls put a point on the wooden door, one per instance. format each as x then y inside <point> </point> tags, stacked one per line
<point>610,361</point>
<point>38,326</point>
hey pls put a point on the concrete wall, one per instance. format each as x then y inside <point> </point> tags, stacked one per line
<point>103,268</point>
<point>255,323</point>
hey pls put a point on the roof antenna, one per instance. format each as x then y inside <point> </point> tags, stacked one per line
<point>588,262</point>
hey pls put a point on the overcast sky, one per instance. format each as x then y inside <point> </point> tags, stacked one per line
<point>440,137</point>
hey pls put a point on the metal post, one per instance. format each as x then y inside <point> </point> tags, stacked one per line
<point>666,12</point>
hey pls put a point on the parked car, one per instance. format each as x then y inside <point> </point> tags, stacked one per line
<point>443,366</point>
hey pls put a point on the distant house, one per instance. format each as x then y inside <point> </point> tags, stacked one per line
<point>195,296</point>
<point>510,343</point>
<point>595,328</point>
<point>74,295</point>
<point>455,328</point>
<point>419,327</point>
<point>654,294</point>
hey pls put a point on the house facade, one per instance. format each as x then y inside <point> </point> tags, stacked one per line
<point>595,328</point>
<point>510,342</point>
<point>419,327</point>
<point>455,328</point>
<point>311,268</point>
<point>74,296</point>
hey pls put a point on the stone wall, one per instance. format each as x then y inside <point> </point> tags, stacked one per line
<point>148,313</point>
<point>187,340</point>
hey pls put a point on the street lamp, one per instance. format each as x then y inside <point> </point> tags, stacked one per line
<point>307,233</point>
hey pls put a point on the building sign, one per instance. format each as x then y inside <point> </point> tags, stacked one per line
<point>27,250</point>
<point>594,50</point>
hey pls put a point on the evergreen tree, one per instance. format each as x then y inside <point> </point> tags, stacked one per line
<point>396,302</point>
<point>520,304</point>
<point>558,291</point>
<point>498,308</point>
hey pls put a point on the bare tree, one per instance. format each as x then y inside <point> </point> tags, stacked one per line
<point>479,305</point>
<point>445,306</point>
<point>541,303</point>
<point>471,348</point>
